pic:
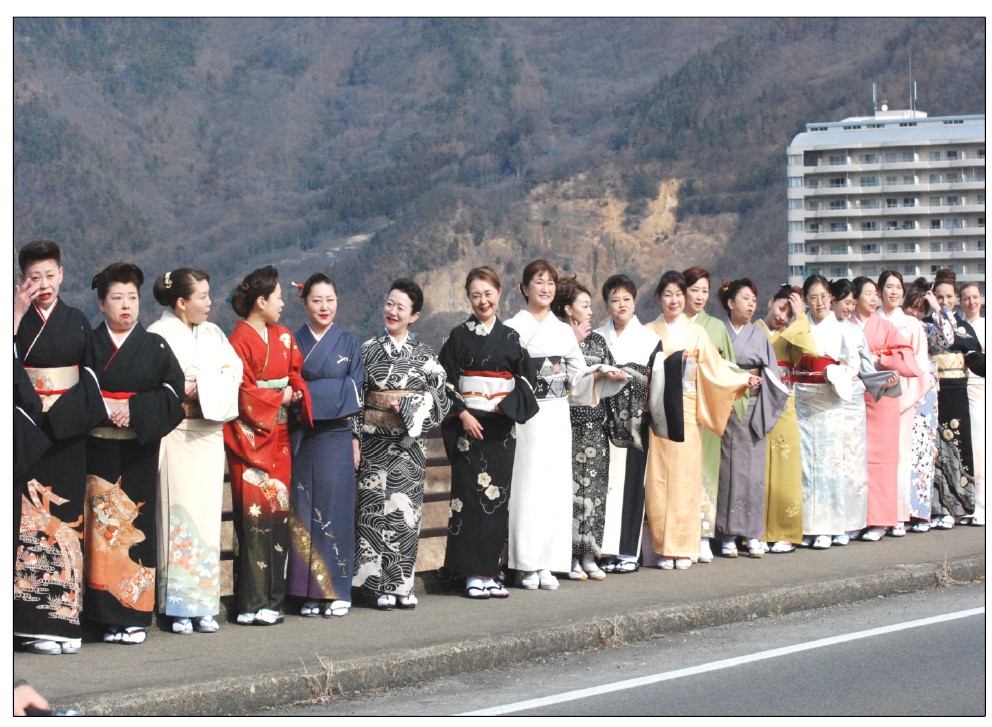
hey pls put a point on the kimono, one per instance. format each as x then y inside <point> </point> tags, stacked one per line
<point>50,490</point>
<point>673,495</point>
<point>122,481</point>
<point>484,369</point>
<point>717,331</point>
<point>976,410</point>
<point>541,506</point>
<point>394,458</point>
<point>783,466</point>
<point>624,509</point>
<point>954,483</point>
<point>590,460</point>
<point>191,470</point>
<point>894,353</point>
<point>322,495</point>
<point>740,507</point>
<point>258,457</point>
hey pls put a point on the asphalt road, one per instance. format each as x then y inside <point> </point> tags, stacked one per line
<point>915,654</point>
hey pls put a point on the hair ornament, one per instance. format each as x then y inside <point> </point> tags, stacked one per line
<point>168,280</point>
<point>298,286</point>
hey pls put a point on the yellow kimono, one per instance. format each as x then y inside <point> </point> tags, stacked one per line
<point>784,469</point>
<point>672,495</point>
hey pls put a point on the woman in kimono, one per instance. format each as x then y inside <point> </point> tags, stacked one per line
<point>632,345</point>
<point>541,506</point>
<point>191,458</point>
<point>257,444</point>
<point>55,345</point>
<point>710,387</point>
<point>403,398</point>
<point>143,388</point>
<point>590,438</point>
<point>697,280</point>
<point>935,338</point>
<point>972,302</point>
<point>783,468</point>
<point>325,457</point>
<point>890,351</point>
<point>954,479</point>
<point>740,508</point>
<point>490,386</point>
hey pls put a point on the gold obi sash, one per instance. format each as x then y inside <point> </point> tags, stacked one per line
<point>379,410</point>
<point>51,383</point>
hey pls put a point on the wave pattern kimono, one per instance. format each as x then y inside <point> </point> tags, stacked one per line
<point>741,496</point>
<point>122,481</point>
<point>485,369</point>
<point>191,470</point>
<point>57,355</point>
<point>673,495</point>
<point>259,459</point>
<point>322,497</point>
<point>394,458</point>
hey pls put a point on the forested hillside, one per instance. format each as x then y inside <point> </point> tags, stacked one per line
<point>373,148</point>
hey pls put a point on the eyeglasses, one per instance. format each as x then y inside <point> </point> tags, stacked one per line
<point>819,298</point>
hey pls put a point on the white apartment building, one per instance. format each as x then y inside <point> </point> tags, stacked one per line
<point>896,190</point>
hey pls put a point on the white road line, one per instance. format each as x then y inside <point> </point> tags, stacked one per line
<point>716,665</point>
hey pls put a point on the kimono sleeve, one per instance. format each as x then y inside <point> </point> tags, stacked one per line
<point>30,442</point>
<point>898,355</point>
<point>257,407</point>
<point>217,388</point>
<point>584,389</point>
<point>940,333</point>
<point>521,403</point>
<point>665,394</point>
<point>795,341</point>
<point>79,409</point>
<point>772,396</point>
<point>717,387</point>
<point>337,398</point>
<point>157,412</point>
<point>448,358</point>
<point>297,382</point>
<point>423,411</point>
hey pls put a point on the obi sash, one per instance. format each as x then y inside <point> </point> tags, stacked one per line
<point>483,390</point>
<point>282,416</point>
<point>51,383</point>
<point>951,365</point>
<point>810,369</point>
<point>112,432</point>
<point>551,377</point>
<point>379,410</point>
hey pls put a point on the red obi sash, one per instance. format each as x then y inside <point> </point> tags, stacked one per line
<point>810,369</point>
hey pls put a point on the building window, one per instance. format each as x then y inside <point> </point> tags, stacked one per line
<point>795,204</point>
<point>795,159</point>
<point>936,247</point>
<point>955,246</point>
<point>816,271</point>
<point>891,202</point>
<point>934,156</point>
<point>909,179</point>
<point>796,226</point>
<point>871,249</point>
<point>934,224</point>
<point>892,248</point>
<point>870,204</point>
<point>797,248</point>
<point>956,223</point>
<point>812,249</point>
<point>837,272</point>
<point>936,179</point>
<point>795,270</point>
<point>838,227</point>
<point>892,179</point>
<point>909,156</point>
<point>890,157</point>
<point>909,270</point>
<point>813,227</point>
<point>891,225</point>
<point>979,175</point>
<point>838,249</point>
<point>838,204</point>
<point>936,201</point>
<point>795,182</point>
<point>870,271</point>
<point>869,181</point>
<point>909,247</point>
<point>953,177</point>
<point>838,182</point>
<point>869,158</point>
<point>981,222</point>
<point>953,201</point>
<point>909,201</point>
<point>812,204</point>
<point>953,155</point>
<point>869,226</point>
<point>981,153</point>
<point>981,245</point>
<point>837,160</point>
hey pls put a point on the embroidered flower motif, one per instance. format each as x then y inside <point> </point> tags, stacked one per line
<point>463,444</point>
<point>255,510</point>
<point>484,479</point>
<point>590,452</point>
<point>262,565</point>
<point>580,457</point>
<point>492,492</point>
<point>948,435</point>
<point>955,423</point>
<point>287,340</point>
<point>456,505</point>
<point>481,330</point>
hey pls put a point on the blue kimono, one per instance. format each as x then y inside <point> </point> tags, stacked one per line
<point>322,495</point>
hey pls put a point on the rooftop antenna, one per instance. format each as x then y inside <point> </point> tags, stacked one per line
<point>874,98</point>
<point>912,86</point>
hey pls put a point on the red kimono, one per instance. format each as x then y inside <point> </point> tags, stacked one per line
<point>892,352</point>
<point>258,457</point>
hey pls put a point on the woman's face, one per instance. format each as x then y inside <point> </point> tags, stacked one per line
<point>779,313</point>
<point>892,294</point>
<point>580,310</point>
<point>972,302</point>
<point>867,302</point>
<point>195,309</point>
<point>322,306</point>
<point>696,296</point>
<point>120,307</point>
<point>818,301</point>
<point>540,291</point>
<point>620,307</point>
<point>483,296</point>
<point>946,295</point>
<point>270,308</point>
<point>672,301</point>
<point>742,306</point>
<point>398,313</point>
<point>918,310</point>
<point>48,275</point>
<point>844,307</point>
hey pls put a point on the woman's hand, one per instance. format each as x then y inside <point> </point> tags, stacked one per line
<point>754,382</point>
<point>581,330</point>
<point>356,452</point>
<point>191,390</point>
<point>471,425</point>
<point>892,381</point>
<point>932,300</point>
<point>611,375</point>
<point>120,414</point>
<point>287,396</point>
<point>24,296</point>
<point>797,305</point>
<point>297,395</point>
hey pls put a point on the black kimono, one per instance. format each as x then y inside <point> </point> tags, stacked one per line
<point>485,369</point>
<point>122,480</point>
<point>48,571</point>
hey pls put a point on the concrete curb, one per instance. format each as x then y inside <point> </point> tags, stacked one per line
<point>326,678</point>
